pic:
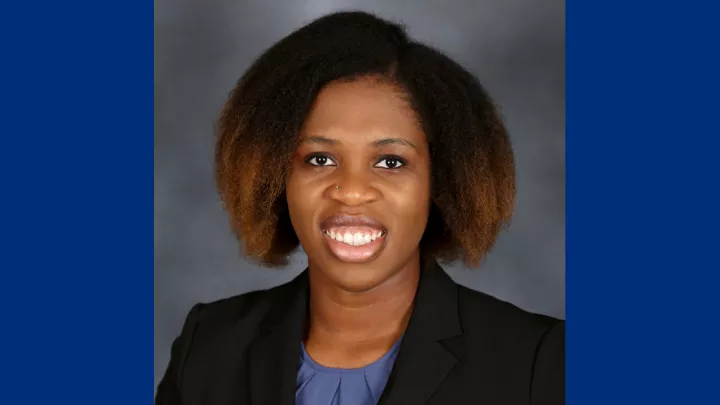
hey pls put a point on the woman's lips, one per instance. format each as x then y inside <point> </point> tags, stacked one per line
<point>353,238</point>
<point>354,244</point>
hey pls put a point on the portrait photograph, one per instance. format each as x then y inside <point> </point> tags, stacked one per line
<point>359,203</point>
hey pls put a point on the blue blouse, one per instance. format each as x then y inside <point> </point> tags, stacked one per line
<point>320,385</point>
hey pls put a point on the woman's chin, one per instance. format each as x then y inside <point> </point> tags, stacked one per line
<point>355,277</point>
<point>357,281</point>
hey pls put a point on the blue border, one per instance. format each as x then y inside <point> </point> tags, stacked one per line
<point>642,203</point>
<point>77,205</point>
<point>642,210</point>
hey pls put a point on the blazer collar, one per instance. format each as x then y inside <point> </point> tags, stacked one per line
<point>422,363</point>
<point>274,355</point>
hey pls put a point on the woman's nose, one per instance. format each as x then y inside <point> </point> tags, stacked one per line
<point>353,188</point>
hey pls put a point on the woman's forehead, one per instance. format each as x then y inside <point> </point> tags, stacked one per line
<point>345,110</point>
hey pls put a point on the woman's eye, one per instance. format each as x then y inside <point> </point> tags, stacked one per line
<point>320,160</point>
<point>390,163</point>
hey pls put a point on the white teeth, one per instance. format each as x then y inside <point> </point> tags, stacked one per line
<point>357,239</point>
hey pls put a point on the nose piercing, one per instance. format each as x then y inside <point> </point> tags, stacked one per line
<point>337,187</point>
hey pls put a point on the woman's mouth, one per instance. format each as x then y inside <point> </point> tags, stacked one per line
<point>354,243</point>
<point>356,238</point>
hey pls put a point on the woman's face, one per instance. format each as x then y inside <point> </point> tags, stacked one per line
<point>358,188</point>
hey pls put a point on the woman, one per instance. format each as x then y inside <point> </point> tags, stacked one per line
<point>380,156</point>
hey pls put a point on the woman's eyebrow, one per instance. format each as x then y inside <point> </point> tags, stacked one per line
<point>323,140</point>
<point>394,141</point>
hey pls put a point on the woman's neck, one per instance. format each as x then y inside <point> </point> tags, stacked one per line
<point>352,329</point>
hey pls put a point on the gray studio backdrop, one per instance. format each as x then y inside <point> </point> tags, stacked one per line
<point>516,49</point>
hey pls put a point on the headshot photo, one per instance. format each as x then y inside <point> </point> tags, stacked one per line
<point>359,203</point>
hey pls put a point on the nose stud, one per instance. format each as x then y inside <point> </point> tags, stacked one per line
<point>337,187</point>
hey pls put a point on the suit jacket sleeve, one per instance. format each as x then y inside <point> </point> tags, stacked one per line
<point>168,391</point>
<point>548,384</point>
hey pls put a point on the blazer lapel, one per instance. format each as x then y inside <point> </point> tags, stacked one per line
<point>423,362</point>
<point>274,356</point>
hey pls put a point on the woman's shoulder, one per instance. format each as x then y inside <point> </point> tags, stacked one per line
<point>480,312</point>
<point>248,307</point>
<point>515,339</point>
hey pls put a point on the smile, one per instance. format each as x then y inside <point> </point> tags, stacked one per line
<point>357,238</point>
<point>354,244</point>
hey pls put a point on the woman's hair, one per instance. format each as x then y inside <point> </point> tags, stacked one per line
<point>472,164</point>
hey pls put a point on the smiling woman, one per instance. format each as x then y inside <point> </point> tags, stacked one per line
<point>365,189</point>
<point>381,157</point>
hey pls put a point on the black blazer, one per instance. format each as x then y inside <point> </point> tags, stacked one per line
<point>460,347</point>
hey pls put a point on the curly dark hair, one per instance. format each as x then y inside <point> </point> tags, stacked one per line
<point>472,163</point>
